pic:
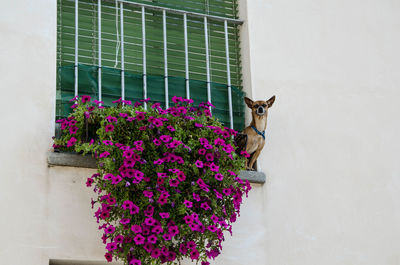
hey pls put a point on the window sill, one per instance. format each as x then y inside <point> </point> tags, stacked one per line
<point>75,160</point>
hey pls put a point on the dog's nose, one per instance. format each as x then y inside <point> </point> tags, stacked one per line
<point>260,110</point>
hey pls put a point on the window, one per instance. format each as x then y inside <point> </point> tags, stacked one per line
<point>156,49</point>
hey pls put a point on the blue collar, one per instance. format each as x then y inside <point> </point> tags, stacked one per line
<point>258,132</point>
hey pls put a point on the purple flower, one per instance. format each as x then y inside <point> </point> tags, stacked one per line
<point>199,164</point>
<point>194,254</point>
<point>135,261</point>
<point>73,130</point>
<point>157,229</point>
<point>198,125</point>
<point>183,249</point>
<point>71,142</point>
<point>165,138</point>
<point>109,128</point>
<point>188,204</point>
<point>170,128</point>
<point>119,239</point>
<point>111,246</point>
<point>164,215</point>
<point>110,229</point>
<point>104,154</point>
<point>139,239</point>
<point>202,151</point>
<point>205,206</point>
<point>125,221</point>
<point>171,256</point>
<point>85,99</point>
<point>155,253</point>
<point>108,256</point>
<point>196,197</point>
<point>107,142</point>
<point>167,237</point>
<point>150,221</point>
<point>148,194</point>
<point>214,167</point>
<point>219,176</point>
<point>140,115</point>
<point>136,229</point>
<point>117,101</point>
<point>173,182</point>
<point>152,239</point>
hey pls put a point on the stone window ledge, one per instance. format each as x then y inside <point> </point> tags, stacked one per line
<point>75,160</point>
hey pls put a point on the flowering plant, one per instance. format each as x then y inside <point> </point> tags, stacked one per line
<point>167,185</point>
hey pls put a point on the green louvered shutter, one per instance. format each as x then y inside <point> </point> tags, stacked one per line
<point>133,55</point>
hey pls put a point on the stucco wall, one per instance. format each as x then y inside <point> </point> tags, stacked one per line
<point>332,153</point>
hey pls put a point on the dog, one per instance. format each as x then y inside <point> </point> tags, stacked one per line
<point>252,139</point>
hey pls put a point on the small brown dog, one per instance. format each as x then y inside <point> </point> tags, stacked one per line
<point>252,139</point>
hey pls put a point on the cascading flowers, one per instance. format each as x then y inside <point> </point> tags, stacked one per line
<point>166,185</point>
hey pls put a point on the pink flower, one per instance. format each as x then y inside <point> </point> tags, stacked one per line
<point>188,204</point>
<point>140,115</point>
<point>165,138</point>
<point>104,154</point>
<point>199,164</point>
<point>157,229</point>
<point>139,239</point>
<point>111,246</point>
<point>150,221</point>
<point>89,182</point>
<point>148,194</point>
<point>194,254</point>
<point>170,128</point>
<point>167,237</point>
<point>164,215</point>
<point>108,256</point>
<point>219,176</point>
<point>73,130</point>
<point>107,142</point>
<point>173,182</point>
<point>125,221</point>
<point>135,262</point>
<point>202,151</point>
<point>136,229</point>
<point>214,167</point>
<point>155,253</point>
<point>109,128</point>
<point>196,197</point>
<point>71,142</point>
<point>110,229</point>
<point>85,99</point>
<point>152,239</point>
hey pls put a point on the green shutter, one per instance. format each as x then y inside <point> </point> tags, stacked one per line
<point>111,80</point>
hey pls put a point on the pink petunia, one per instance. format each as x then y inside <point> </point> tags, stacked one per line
<point>139,239</point>
<point>164,215</point>
<point>71,142</point>
<point>188,204</point>
<point>199,164</point>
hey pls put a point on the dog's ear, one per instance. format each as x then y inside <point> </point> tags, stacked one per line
<point>270,101</point>
<point>249,102</point>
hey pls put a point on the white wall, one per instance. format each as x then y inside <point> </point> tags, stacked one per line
<point>333,151</point>
<point>27,74</point>
<point>332,194</point>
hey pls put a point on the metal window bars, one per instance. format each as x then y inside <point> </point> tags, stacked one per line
<point>164,11</point>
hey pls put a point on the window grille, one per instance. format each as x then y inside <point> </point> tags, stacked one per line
<point>157,49</point>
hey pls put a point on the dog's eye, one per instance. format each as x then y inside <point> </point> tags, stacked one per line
<point>264,105</point>
<point>256,106</point>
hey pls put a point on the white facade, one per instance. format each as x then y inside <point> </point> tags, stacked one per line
<point>332,156</point>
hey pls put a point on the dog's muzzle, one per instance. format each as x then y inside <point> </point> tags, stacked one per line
<point>260,111</point>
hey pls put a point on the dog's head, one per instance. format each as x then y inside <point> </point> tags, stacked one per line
<point>259,107</point>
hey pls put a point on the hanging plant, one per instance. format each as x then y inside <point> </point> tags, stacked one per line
<point>166,184</point>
